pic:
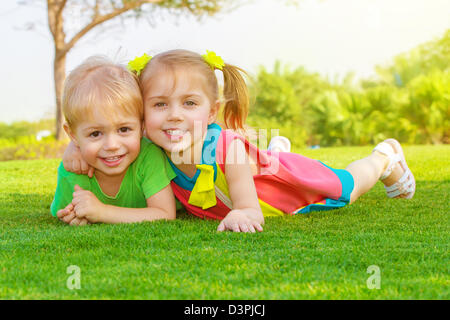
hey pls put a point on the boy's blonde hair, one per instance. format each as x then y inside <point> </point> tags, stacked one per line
<point>98,84</point>
<point>235,89</point>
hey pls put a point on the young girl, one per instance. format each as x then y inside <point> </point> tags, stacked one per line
<point>220,175</point>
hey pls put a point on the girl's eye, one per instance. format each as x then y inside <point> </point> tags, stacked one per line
<point>124,129</point>
<point>190,103</point>
<point>160,104</point>
<point>95,134</point>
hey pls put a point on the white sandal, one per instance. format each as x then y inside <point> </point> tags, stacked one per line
<point>406,185</point>
<point>279,143</point>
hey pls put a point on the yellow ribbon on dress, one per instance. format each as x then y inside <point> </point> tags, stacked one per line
<point>203,194</point>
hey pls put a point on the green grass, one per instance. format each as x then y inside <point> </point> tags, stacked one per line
<point>322,255</point>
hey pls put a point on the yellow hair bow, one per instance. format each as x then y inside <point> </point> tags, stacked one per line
<point>214,61</point>
<point>138,64</point>
<point>203,194</point>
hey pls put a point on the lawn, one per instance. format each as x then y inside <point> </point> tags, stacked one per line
<point>322,255</point>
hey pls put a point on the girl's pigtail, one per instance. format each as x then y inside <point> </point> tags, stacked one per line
<point>236,96</point>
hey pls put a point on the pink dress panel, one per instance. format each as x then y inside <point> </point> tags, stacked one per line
<point>287,181</point>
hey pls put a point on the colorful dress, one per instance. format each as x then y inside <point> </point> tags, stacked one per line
<point>287,183</point>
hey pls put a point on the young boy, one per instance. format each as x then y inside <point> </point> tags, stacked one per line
<point>103,108</point>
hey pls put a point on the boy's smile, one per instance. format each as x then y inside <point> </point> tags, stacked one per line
<point>113,161</point>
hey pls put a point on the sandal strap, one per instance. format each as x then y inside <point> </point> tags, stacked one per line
<point>386,149</point>
<point>404,185</point>
<point>393,159</point>
<point>281,142</point>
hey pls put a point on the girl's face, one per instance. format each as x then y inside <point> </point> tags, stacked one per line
<point>178,110</point>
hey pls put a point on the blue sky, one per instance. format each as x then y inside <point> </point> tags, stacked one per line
<point>331,37</point>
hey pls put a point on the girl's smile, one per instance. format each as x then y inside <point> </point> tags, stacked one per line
<point>175,134</point>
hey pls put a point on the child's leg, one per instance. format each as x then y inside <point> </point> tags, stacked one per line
<point>366,172</point>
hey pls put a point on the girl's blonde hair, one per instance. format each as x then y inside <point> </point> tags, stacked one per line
<point>235,90</point>
<point>98,84</point>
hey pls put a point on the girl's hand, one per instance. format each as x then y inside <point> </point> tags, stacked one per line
<point>73,162</point>
<point>239,221</point>
<point>67,215</point>
<point>86,205</point>
<point>246,215</point>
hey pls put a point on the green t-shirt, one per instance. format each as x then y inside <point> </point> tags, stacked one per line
<point>147,175</point>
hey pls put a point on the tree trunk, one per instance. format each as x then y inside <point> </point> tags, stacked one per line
<point>55,9</point>
<point>59,73</point>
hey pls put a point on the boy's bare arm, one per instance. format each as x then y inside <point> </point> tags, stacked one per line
<point>67,215</point>
<point>159,206</point>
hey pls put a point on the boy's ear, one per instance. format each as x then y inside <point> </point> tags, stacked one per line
<point>70,134</point>
<point>214,112</point>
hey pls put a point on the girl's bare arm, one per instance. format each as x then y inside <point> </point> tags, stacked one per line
<point>246,214</point>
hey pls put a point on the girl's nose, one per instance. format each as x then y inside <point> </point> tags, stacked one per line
<point>175,114</point>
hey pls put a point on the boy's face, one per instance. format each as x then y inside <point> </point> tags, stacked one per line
<point>177,110</point>
<point>110,146</point>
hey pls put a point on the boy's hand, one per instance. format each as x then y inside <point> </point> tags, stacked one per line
<point>238,221</point>
<point>86,205</point>
<point>67,215</point>
<point>73,162</point>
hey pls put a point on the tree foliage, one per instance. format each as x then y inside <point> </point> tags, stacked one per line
<point>70,20</point>
<point>410,102</point>
<point>426,58</point>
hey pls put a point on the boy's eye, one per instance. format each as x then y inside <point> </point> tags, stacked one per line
<point>95,134</point>
<point>124,129</point>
